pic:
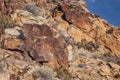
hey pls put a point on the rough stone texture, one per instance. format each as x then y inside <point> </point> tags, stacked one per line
<point>95,29</point>
<point>13,67</point>
<point>74,32</point>
<point>45,44</point>
<point>57,40</point>
<point>13,44</point>
<point>12,31</point>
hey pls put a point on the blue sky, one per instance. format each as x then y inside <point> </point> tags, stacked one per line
<point>107,9</point>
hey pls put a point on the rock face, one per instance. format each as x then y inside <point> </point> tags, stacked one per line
<point>56,40</point>
<point>45,44</point>
<point>95,29</point>
<point>42,43</point>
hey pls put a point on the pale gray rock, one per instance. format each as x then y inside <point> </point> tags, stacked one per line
<point>12,31</point>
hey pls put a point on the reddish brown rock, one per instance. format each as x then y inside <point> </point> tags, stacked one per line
<point>45,44</point>
<point>2,5</point>
<point>42,43</point>
<point>9,6</point>
<point>76,15</point>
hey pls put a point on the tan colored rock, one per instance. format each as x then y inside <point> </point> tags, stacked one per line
<point>63,25</point>
<point>105,71</point>
<point>13,44</point>
<point>113,65</point>
<point>14,67</point>
<point>4,76</point>
<point>40,2</point>
<point>70,52</point>
<point>92,26</point>
<point>108,41</point>
<point>28,77</point>
<point>78,35</point>
<point>23,17</point>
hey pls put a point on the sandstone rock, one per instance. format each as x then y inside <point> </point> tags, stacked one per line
<point>113,65</point>
<point>14,67</point>
<point>112,41</point>
<point>23,17</point>
<point>13,44</point>
<point>74,32</point>
<point>62,26</point>
<point>55,33</point>
<point>105,71</point>
<point>95,29</point>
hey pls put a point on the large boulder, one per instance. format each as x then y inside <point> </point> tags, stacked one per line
<point>42,43</point>
<point>45,44</point>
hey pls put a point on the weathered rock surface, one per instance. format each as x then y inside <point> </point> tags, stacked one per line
<point>42,43</point>
<point>57,40</point>
<point>95,28</point>
<point>45,44</point>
